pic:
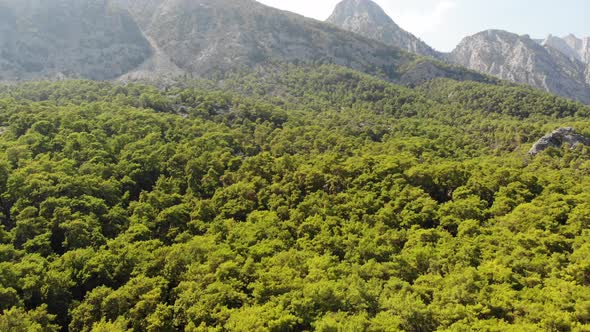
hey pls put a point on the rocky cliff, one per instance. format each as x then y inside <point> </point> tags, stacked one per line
<point>557,65</point>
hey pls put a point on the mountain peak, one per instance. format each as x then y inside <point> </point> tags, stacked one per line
<point>349,9</point>
<point>367,18</point>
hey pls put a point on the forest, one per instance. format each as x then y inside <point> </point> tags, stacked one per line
<point>303,198</point>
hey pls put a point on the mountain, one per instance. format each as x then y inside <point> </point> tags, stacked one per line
<point>366,18</point>
<point>152,39</point>
<point>142,10</point>
<point>161,39</point>
<point>68,38</point>
<point>521,59</point>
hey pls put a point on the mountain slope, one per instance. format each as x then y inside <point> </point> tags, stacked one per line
<point>142,10</point>
<point>523,60</point>
<point>366,18</point>
<point>72,38</point>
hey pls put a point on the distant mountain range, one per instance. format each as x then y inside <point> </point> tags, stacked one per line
<point>161,39</point>
<point>557,65</point>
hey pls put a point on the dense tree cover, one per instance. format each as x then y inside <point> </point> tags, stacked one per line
<point>308,199</point>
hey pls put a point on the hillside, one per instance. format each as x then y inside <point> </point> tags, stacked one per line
<point>206,38</point>
<point>170,40</point>
<point>294,199</point>
<point>224,166</point>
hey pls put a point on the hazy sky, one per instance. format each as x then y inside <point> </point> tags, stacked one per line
<point>443,23</point>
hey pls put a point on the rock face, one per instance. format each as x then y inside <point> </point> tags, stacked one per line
<point>366,18</point>
<point>558,138</point>
<point>521,59</point>
<point>68,38</point>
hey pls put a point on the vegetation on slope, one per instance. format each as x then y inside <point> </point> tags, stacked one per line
<point>342,202</point>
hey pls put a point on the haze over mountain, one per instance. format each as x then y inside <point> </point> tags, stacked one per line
<point>577,48</point>
<point>574,47</point>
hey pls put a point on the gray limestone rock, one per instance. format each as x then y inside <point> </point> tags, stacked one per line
<point>570,45</point>
<point>558,138</point>
<point>169,39</point>
<point>557,65</point>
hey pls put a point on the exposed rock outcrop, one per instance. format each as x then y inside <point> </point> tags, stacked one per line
<point>559,138</point>
<point>557,65</point>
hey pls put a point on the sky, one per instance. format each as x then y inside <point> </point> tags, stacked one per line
<point>443,23</point>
